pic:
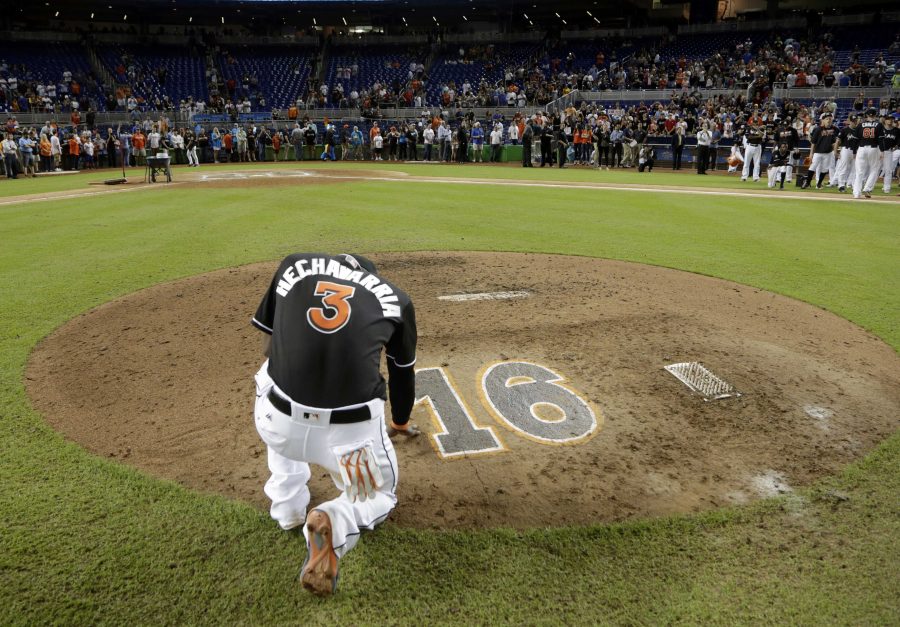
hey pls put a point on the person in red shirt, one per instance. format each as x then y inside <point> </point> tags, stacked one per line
<point>228,143</point>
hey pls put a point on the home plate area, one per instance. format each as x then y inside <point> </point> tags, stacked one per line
<point>544,398</point>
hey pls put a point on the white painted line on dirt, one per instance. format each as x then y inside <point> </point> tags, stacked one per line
<point>459,298</point>
<point>653,189</point>
<point>118,190</point>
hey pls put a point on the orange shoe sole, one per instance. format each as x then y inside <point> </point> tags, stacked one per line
<point>319,574</point>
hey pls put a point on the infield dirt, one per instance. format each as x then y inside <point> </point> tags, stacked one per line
<point>162,380</point>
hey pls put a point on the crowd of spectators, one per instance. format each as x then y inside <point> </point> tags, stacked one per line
<point>552,70</point>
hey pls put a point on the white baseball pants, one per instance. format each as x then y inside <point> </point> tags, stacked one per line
<point>754,154</point>
<point>845,173</point>
<point>889,160</point>
<point>774,174</point>
<point>822,163</point>
<point>294,442</point>
<point>868,165</point>
<point>192,156</point>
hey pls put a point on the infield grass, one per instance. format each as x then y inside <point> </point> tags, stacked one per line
<point>88,541</point>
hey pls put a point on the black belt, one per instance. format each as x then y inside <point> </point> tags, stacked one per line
<point>338,416</point>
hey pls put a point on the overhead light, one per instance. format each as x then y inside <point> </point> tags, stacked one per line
<point>345,20</point>
<point>565,22</point>
<point>223,19</point>
<point>465,18</point>
<point>557,15</point>
<point>314,21</point>
<point>92,16</point>
<point>530,22</point>
<point>596,20</point>
<point>190,19</point>
<point>526,16</point>
<point>434,18</point>
<point>57,14</point>
<point>125,18</point>
<point>589,14</point>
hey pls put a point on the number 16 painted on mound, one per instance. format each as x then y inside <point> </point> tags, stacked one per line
<point>514,392</point>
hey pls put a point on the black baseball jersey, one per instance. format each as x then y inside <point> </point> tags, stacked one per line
<point>870,132</point>
<point>890,138</point>
<point>850,138</point>
<point>755,136</point>
<point>328,323</point>
<point>780,158</point>
<point>823,139</point>
<point>787,135</point>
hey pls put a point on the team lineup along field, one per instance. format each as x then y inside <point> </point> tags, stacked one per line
<point>92,540</point>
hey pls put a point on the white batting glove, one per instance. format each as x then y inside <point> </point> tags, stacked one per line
<point>360,473</point>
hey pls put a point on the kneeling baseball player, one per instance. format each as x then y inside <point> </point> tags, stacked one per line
<point>778,166</point>
<point>320,399</point>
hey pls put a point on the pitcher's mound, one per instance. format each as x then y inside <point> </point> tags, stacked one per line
<point>162,379</point>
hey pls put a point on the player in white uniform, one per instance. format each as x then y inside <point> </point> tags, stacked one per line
<point>868,157</point>
<point>822,141</point>
<point>845,173</point>
<point>890,151</point>
<point>753,143</point>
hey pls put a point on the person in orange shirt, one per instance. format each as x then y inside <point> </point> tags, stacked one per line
<point>228,142</point>
<point>276,143</point>
<point>373,132</point>
<point>46,153</point>
<point>293,112</point>
<point>75,118</point>
<point>586,145</point>
<point>139,144</point>
<point>74,151</point>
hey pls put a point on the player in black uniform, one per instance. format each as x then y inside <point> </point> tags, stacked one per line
<point>848,140</point>
<point>890,151</point>
<point>868,156</point>
<point>320,399</point>
<point>822,144</point>
<point>778,166</point>
<point>787,134</point>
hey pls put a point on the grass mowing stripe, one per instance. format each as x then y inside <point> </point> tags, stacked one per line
<point>92,541</point>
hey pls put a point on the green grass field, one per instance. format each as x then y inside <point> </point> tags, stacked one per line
<point>87,541</point>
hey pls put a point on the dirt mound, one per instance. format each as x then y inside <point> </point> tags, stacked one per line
<point>170,389</point>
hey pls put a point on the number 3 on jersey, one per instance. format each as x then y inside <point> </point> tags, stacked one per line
<point>336,312</point>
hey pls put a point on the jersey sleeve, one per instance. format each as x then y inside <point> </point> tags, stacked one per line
<point>264,318</point>
<point>401,348</point>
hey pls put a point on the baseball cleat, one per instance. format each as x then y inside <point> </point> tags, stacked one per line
<point>867,194</point>
<point>842,189</point>
<point>319,573</point>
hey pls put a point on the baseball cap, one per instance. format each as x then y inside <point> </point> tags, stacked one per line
<point>824,115</point>
<point>853,117</point>
<point>358,262</point>
<point>871,111</point>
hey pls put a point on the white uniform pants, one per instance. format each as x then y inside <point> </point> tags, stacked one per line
<point>822,163</point>
<point>845,173</point>
<point>868,165</point>
<point>754,154</point>
<point>192,156</point>
<point>774,174</point>
<point>295,442</point>
<point>889,160</point>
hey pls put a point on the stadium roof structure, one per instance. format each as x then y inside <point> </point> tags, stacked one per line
<point>512,14</point>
